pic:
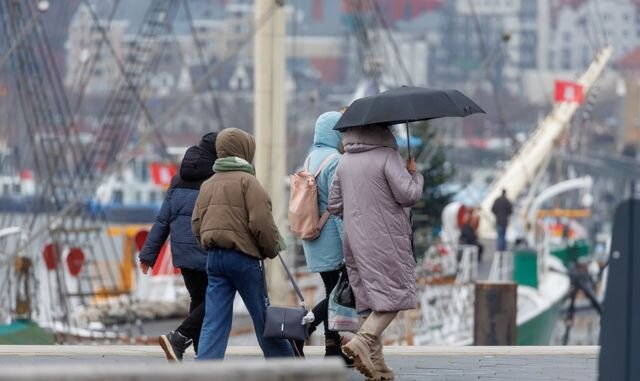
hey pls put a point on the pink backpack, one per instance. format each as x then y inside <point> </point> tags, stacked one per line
<point>304,218</point>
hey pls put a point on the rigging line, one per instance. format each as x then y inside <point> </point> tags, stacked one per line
<point>21,89</point>
<point>183,62</point>
<point>151,67</point>
<point>202,81</point>
<point>34,98</point>
<point>61,101</point>
<point>120,109</point>
<point>369,66</point>
<point>132,88</point>
<point>148,132</point>
<point>203,62</point>
<point>20,38</point>
<point>394,44</point>
<point>601,22</point>
<point>52,84</point>
<point>494,86</point>
<point>78,222</point>
<point>476,24</point>
<point>592,43</point>
<point>594,26</point>
<point>86,78</point>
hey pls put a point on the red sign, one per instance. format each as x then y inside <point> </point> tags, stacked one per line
<point>51,254</point>
<point>75,260</point>
<point>569,92</point>
<point>161,174</point>
<point>140,239</point>
<point>26,174</point>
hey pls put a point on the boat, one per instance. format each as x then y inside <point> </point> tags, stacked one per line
<point>537,266</point>
<point>24,332</point>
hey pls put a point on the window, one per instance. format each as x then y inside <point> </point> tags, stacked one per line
<point>5,189</point>
<point>566,59</point>
<point>17,188</point>
<point>566,37</point>
<point>152,197</point>
<point>118,197</point>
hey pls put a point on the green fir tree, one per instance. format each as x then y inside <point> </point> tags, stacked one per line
<point>437,171</point>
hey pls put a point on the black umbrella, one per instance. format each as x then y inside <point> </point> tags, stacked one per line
<point>406,104</point>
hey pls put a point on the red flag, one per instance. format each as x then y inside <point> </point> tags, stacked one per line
<point>161,174</point>
<point>569,92</point>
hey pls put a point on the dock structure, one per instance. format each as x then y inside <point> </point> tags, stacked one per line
<point>245,363</point>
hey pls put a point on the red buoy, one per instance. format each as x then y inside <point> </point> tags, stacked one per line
<point>51,254</point>
<point>75,260</point>
<point>140,238</point>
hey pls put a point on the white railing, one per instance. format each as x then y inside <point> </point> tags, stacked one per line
<point>501,267</point>
<point>447,309</point>
<point>467,264</point>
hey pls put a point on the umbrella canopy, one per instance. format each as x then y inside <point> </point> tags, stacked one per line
<point>406,104</point>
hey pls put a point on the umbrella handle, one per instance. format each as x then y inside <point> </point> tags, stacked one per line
<point>408,139</point>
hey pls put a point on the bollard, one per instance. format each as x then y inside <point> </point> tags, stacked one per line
<point>258,370</point>
<point>495,313</point>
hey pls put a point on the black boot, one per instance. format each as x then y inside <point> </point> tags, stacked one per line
<point>333,348</point>
<point>174,344</point>
<point>298,345</point>
<point>298,348</point>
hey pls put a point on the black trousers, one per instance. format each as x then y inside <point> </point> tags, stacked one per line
<point>321,310</point>
<point>196,282</point>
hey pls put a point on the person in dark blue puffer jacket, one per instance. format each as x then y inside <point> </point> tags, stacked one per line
<point>175,218</point>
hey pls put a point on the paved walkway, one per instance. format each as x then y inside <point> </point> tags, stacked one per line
<point>410,363</point>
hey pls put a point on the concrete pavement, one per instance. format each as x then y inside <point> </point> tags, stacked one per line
<point>410,363</point>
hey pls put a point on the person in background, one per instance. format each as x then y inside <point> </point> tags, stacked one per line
<point>232,220</point>
<point>468,235</point>
<point>502,209</point>
<point>324,254</point>
<point>174,219</point>
<point>370,191</point>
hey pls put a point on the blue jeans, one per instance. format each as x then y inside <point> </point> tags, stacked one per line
<point>502,240</point>
<point>229,271</point>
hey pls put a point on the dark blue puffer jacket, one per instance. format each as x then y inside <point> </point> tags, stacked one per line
<point>175,214</point>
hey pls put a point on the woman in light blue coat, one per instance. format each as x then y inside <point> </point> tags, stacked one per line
<point>324,254</point>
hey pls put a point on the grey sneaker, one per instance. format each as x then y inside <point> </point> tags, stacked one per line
<point>174,344</point>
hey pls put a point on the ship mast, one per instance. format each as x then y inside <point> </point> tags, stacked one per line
<point>532,157</point>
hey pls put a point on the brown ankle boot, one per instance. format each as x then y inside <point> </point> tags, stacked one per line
<point>359,350</point>
<point>377,358</point>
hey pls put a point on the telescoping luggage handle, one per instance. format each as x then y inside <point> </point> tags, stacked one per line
<point>293,282</point>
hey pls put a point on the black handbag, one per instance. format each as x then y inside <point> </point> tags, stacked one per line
<point>343,292</point>
<point>285,322</point>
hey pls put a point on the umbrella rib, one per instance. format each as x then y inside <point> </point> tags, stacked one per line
<point>453,101</point>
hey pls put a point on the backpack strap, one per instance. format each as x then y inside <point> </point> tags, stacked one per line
<point>324,164</point>
<point>323,219</point>
<point>306,164</point>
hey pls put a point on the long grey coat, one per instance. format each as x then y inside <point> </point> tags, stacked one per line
<point>370,191</point>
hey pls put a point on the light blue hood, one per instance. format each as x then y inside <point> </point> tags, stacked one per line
<point>325,253</point>
<point>325,134</point>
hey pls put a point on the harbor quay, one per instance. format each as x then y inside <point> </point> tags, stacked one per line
<point>115,362</point>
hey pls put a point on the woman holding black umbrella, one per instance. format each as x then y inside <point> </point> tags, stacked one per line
<point>371,189</point>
